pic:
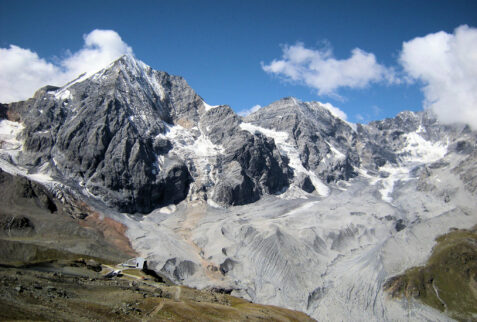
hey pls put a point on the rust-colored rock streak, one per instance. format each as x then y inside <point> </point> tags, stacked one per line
<point>114,232</point>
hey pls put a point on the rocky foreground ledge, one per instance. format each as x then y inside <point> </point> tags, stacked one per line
<point>74,291</point>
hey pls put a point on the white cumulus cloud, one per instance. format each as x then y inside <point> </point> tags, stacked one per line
<point>101,47</point>
<point>22,71</point>
<point>319,69</point>
<point>447,65</point>
<point>251,110</point>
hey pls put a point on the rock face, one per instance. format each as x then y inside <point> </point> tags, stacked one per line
<point>251,164</point>
<point>334,150</point>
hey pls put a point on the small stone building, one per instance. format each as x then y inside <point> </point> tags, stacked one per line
<point>138,262</point>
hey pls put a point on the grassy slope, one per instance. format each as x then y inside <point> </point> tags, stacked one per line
<point>448,281</point>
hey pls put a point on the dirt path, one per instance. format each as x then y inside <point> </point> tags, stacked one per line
<point>155,311</point>
<point>177,297</point>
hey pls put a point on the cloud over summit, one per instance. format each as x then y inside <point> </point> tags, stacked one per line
<point>446,64</point>
<point>22,71</point>
<point>320,70</point>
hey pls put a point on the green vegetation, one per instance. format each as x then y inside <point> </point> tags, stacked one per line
<point>448,281</point>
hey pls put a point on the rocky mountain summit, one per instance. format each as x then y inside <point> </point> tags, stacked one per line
<point>290,206</point>
<point>127,135</point>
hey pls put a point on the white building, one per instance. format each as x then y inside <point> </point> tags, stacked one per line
<point>137,262</point>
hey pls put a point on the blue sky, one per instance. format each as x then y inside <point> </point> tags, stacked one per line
<point>221,47</point>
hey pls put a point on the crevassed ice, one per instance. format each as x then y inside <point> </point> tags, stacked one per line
<point>417,151</point>
<point>10,146</point>
<point>184,140</point>
<point>8,135</point>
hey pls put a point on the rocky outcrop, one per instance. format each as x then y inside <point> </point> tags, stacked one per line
<point>451,265</point>
<point>179,270</point>
<point>251,164</point>
<point>38,223</point>
<point>19,190</point>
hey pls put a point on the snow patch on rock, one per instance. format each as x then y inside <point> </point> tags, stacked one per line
<point>209,107</point>
<point>11,146</point>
